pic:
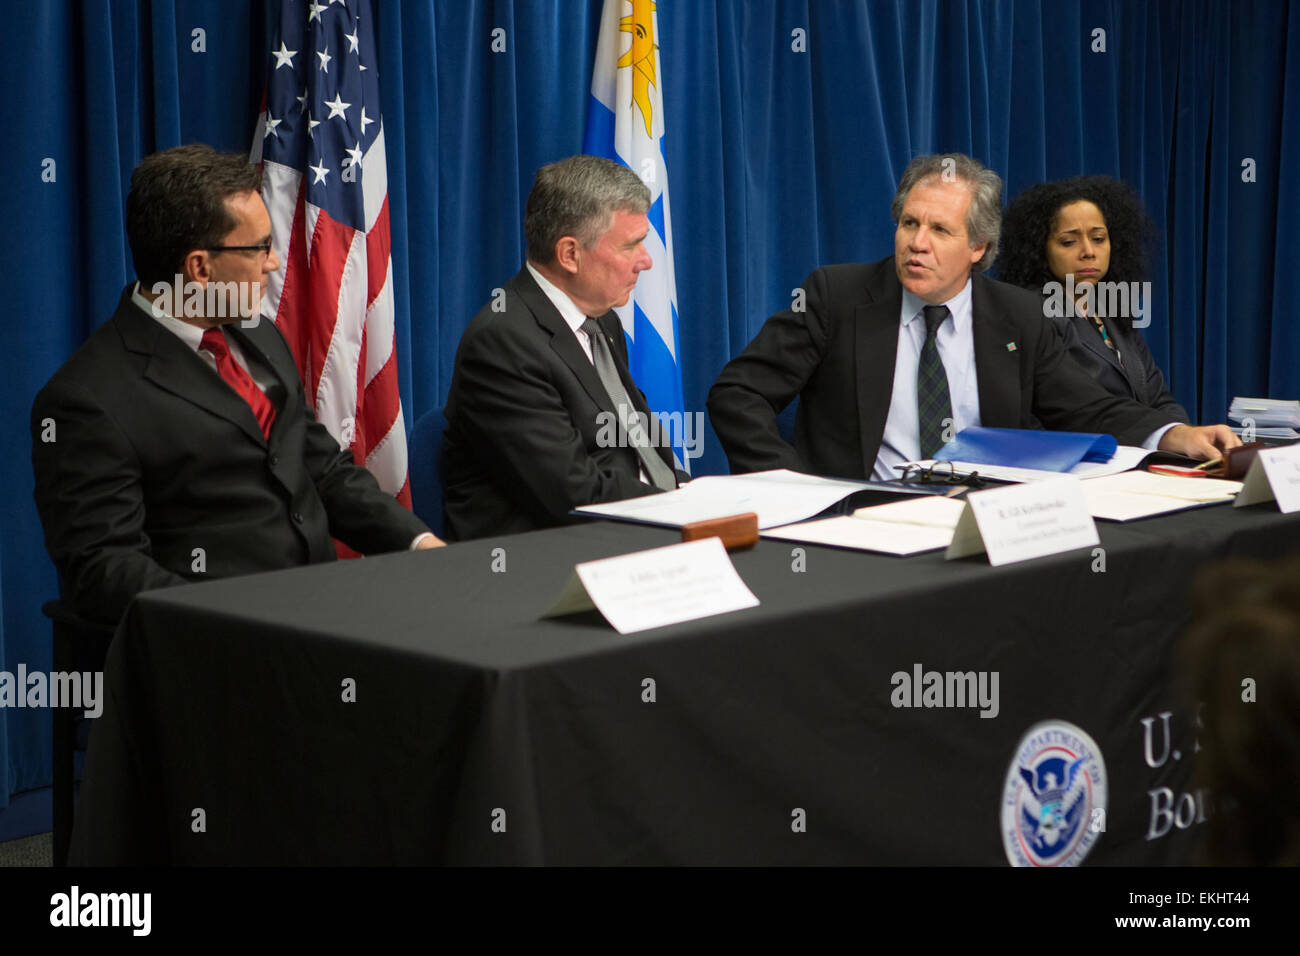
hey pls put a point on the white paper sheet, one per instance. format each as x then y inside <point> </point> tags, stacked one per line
<point>900,527</point>
<point>777,497</point>
<point>885,537</point>
<point>1141,494</point>
<point>1126,458</point>
<point>936,511</point>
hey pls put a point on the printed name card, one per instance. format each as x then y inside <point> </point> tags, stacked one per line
<point>1020,522</point>
<point>645,589</point>
<point>1273,475</point>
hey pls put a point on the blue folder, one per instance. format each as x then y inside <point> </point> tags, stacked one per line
<point>1027,448</point>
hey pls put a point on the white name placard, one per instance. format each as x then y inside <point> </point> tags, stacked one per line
<point>645,589</point>
<point>1273,475</point>
<point>1020,522</point>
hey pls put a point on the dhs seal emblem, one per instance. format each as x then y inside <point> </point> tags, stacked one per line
<point>1055,785</point>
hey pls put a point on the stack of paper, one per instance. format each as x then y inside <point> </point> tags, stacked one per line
<point>1266,411</point>
<point>1254,434</point>
<point>901,527</point>
<point>1141,494</point>
<point>1271,418</point>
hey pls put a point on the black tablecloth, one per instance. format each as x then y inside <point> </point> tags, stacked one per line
<point>481,734</point>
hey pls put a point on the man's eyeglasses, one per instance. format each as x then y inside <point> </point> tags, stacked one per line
<point>941,473</point>
<point>262,247</point>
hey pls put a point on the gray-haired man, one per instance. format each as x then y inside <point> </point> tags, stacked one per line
<point>542,413</point>
<point>890,358</point>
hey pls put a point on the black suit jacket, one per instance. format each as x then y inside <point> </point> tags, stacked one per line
<point>838,356</point>
<point>523,443</point>
<point>1138,378</point>
<point>153,457</point>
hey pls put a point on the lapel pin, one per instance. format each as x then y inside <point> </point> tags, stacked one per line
<point>1011,346</point>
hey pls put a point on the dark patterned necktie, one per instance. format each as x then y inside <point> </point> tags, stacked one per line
<point>933,406</point>
<point>660,475</point>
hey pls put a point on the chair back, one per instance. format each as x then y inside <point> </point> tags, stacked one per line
<point>424,461</point>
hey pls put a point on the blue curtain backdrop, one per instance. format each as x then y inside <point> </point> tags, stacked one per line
<point>783,150</point>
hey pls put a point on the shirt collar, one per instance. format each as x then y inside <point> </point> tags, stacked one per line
<point>191,335</point>
<point>572,315</point>
<point>959,306</point>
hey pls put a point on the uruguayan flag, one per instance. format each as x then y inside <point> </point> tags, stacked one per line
<point>625,123</point>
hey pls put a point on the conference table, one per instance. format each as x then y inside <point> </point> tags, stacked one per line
<point>415,708</point>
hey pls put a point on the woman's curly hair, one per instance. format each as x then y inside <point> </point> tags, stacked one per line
<point>1029,219</point>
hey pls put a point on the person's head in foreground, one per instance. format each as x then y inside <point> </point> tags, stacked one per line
<point>1241,662</point>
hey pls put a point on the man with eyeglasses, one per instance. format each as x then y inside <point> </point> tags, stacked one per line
<point>176,444</point>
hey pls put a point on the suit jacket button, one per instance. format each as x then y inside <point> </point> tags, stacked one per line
<point>275,460</point>
<point>297,516</point>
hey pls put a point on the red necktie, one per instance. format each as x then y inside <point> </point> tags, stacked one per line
<point>239,380</point>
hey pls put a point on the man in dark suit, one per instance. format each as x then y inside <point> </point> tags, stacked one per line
<point>543,415</point>
<point>891,359</point>
<point>176,444</point>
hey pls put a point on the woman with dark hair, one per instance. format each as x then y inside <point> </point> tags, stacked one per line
<point>1063,238</point>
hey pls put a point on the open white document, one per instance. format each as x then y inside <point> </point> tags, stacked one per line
<point>1141,494</point>
<point>901,527</point>
<point>1126,458</point>
<point>777,497</point>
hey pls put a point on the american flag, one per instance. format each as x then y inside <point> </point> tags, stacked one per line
<point>325,185</point>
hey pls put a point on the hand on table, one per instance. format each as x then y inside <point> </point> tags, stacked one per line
<point>1199,441</point>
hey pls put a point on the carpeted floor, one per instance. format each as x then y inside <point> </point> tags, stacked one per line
<point>37,850</point>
